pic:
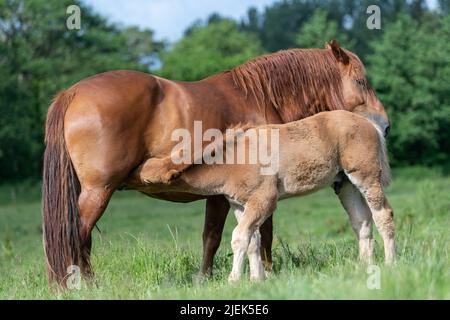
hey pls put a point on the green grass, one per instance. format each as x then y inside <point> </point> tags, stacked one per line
<point>150,249</point>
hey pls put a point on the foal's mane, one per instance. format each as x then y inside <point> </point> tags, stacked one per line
<point>297,82</point>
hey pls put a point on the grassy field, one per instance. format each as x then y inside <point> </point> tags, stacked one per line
<point>150,249</point>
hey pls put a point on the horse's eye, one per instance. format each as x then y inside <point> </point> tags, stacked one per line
<point>360,82</point>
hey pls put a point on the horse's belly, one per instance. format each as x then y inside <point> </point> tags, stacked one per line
<point>175,196</point>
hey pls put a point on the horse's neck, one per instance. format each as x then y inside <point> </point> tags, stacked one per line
<point>241,107</point>
<point>244,104</point>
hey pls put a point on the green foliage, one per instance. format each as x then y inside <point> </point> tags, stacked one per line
<point>282,22</point>
<point>39,56</point>
<point>206,50</point>
<point>318,30</point>
<point>410,68</point>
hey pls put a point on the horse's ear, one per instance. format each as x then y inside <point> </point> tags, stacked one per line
<point>338,52</point>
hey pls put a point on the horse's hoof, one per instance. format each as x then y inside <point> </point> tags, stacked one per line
<point>200,278</point>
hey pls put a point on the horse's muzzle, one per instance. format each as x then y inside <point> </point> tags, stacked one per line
<point>386,130</point>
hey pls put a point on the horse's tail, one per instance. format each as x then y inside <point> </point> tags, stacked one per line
<point>383,159</point>
<point>60,192</point>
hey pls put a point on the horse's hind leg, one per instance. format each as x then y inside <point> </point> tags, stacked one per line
<point>360,218</point>
<point>92,203</point>
<point>382,213</point>
<point>217,208</point>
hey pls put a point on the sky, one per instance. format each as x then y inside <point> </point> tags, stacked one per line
<point>169,18</point>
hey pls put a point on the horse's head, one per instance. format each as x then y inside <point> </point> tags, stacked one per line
<point>359,97</point>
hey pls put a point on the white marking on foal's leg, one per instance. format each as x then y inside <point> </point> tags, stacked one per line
<point>253,251</point>
<point>360,218</point>
<point>239,213</point>
<point>237,246</point>
<point>257,209</point>
<point>366,242</point>
<point>385,225</point>
<point>254,256</point>
<point>239,243</point>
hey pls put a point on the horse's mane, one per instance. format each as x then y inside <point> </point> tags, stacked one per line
<point>297,82</point>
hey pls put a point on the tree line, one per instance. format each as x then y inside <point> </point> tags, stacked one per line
<point>407,60</point>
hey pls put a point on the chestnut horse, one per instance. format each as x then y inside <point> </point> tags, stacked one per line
<point>102,128</point>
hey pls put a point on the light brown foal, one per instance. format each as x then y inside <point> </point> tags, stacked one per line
<point>313,153</point>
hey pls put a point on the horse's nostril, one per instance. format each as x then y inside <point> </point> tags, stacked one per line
<point>386,131</point>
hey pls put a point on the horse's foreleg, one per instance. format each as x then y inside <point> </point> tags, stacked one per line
<point>217,208</point>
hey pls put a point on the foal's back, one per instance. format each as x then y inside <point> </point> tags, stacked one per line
<point>314,150</point>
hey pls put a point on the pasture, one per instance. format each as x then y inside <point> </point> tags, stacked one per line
<point>151,249</point>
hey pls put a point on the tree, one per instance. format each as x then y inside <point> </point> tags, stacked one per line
<point>282,21</point>
<point>410,68</point>
<point>252,22</point>
<point>318,30</point>
<point>206,50</point>
<point>39,56</point>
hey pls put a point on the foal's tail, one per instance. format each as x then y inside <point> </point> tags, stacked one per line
<point>60,192</point>
<point>384,160</point>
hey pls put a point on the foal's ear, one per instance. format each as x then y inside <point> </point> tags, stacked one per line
<point>338,52</point>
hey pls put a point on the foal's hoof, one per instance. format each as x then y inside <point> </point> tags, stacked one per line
<point>232,278</point>
<point>258,278</point>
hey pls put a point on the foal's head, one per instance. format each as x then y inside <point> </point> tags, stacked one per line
<point>358,95</point>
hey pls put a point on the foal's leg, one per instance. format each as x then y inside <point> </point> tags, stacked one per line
<point>257,209</point>
<point>253,251</point>
<point>254,257</point>
<point>382,212</point>
<point>360,218</point>
<point>383,217</point>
